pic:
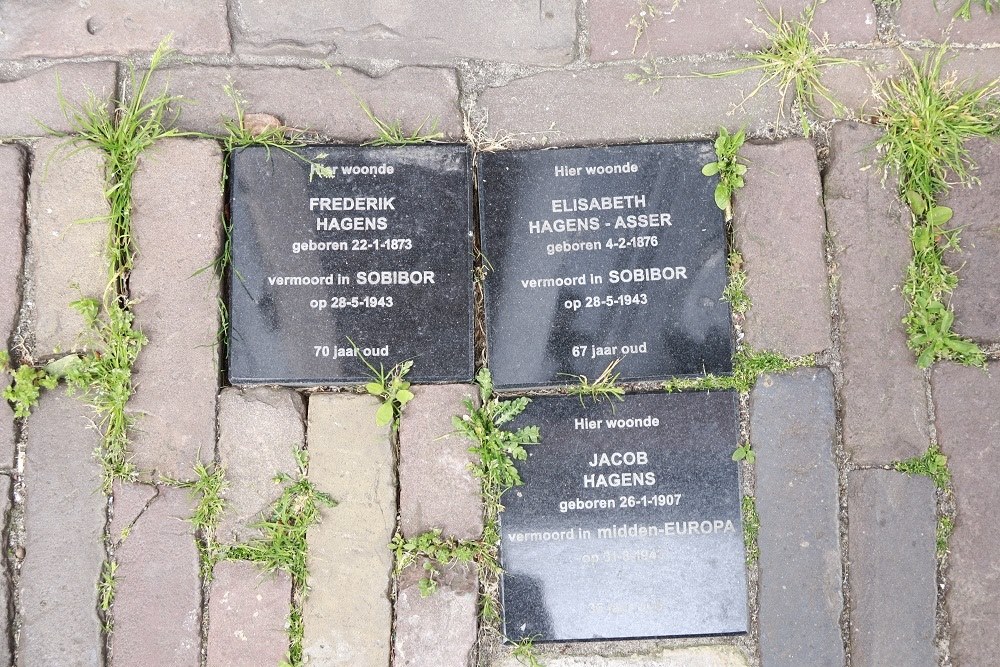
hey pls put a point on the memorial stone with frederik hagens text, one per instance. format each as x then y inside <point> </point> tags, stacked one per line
<point>346,251</point>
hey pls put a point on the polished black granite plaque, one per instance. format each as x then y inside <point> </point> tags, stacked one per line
<point>378,251</point>
<point>596,254</point>
<point>628,523</point>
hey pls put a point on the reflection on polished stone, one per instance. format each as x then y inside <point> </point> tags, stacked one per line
<point>628,523</point>
<point>597,254</point>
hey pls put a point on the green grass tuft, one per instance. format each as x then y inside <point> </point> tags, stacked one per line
<point>748,365</point>
<point>604,385</point>
<point>927,119</point>
<point>103,377</point>
<point>283,546</point>
<point>392,134</point>
<point>123,134</point>
<point>208,487</point>
<point>931,463</point>
<point>964,10</point>
<point>793,61</point>
<point>524,652</point>
<point>107,584</point>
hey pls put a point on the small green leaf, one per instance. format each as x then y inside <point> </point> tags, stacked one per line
<point>916,202</point>
<point>926,357</point>
<point>404,396</point>
<point>710,169</point>
<point>384,414</point>
<point>63,365</point>
<point>375,388</point>
<point>939,215</point>
<point>721,196</point>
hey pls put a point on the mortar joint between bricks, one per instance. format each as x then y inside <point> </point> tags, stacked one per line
<point>835,365</point>
<point>944,509</point>
<point>581,43</point>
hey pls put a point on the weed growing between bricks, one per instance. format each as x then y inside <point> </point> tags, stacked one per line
<point>389,386</point>
<point>934,465</point>
<point>497,448</point>
<point>927,119</point>
<point>207,487</point>
<point>794,61</point>
<point>282,545</point>
<point>748,365</point>
<point>729,170</point>
<point>604,385</point>
<point>104,377</point>
<point>26,385</point>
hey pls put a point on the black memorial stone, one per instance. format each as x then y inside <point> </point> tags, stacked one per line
<point>628,523</point>
<point>378,251</point>
<point>603,253</point>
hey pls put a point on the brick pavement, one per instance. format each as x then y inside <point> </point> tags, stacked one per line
<point>825,244</point>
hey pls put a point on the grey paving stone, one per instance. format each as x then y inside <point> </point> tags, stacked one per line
<point>937,22</point>
<point>793,429</point>
<point>686,28</point>
<point>977,298</point>
<point>598,106</point>
<point>780,227</point>
<point>885,407</point>
<point>439,630</point>
<point>176,225</point>
<point>5,647</point>
<point>968,426</point>
<point>12,173</point>
<point>64,513</point>
<point>693,656</point>
<point>259,431</point>
<point>541,33</point>
<point>891,546</point>
<point>430,451</point>
<point>347,613</point>
<point>248,616</point>
<point>974,67</point>
<point>31,101</point>
<point>319,100</point>
<point>158,596</point>
<point>110,27</point>
<point>129,502</point>
<point>855,85</point>
<point>69,255</point>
